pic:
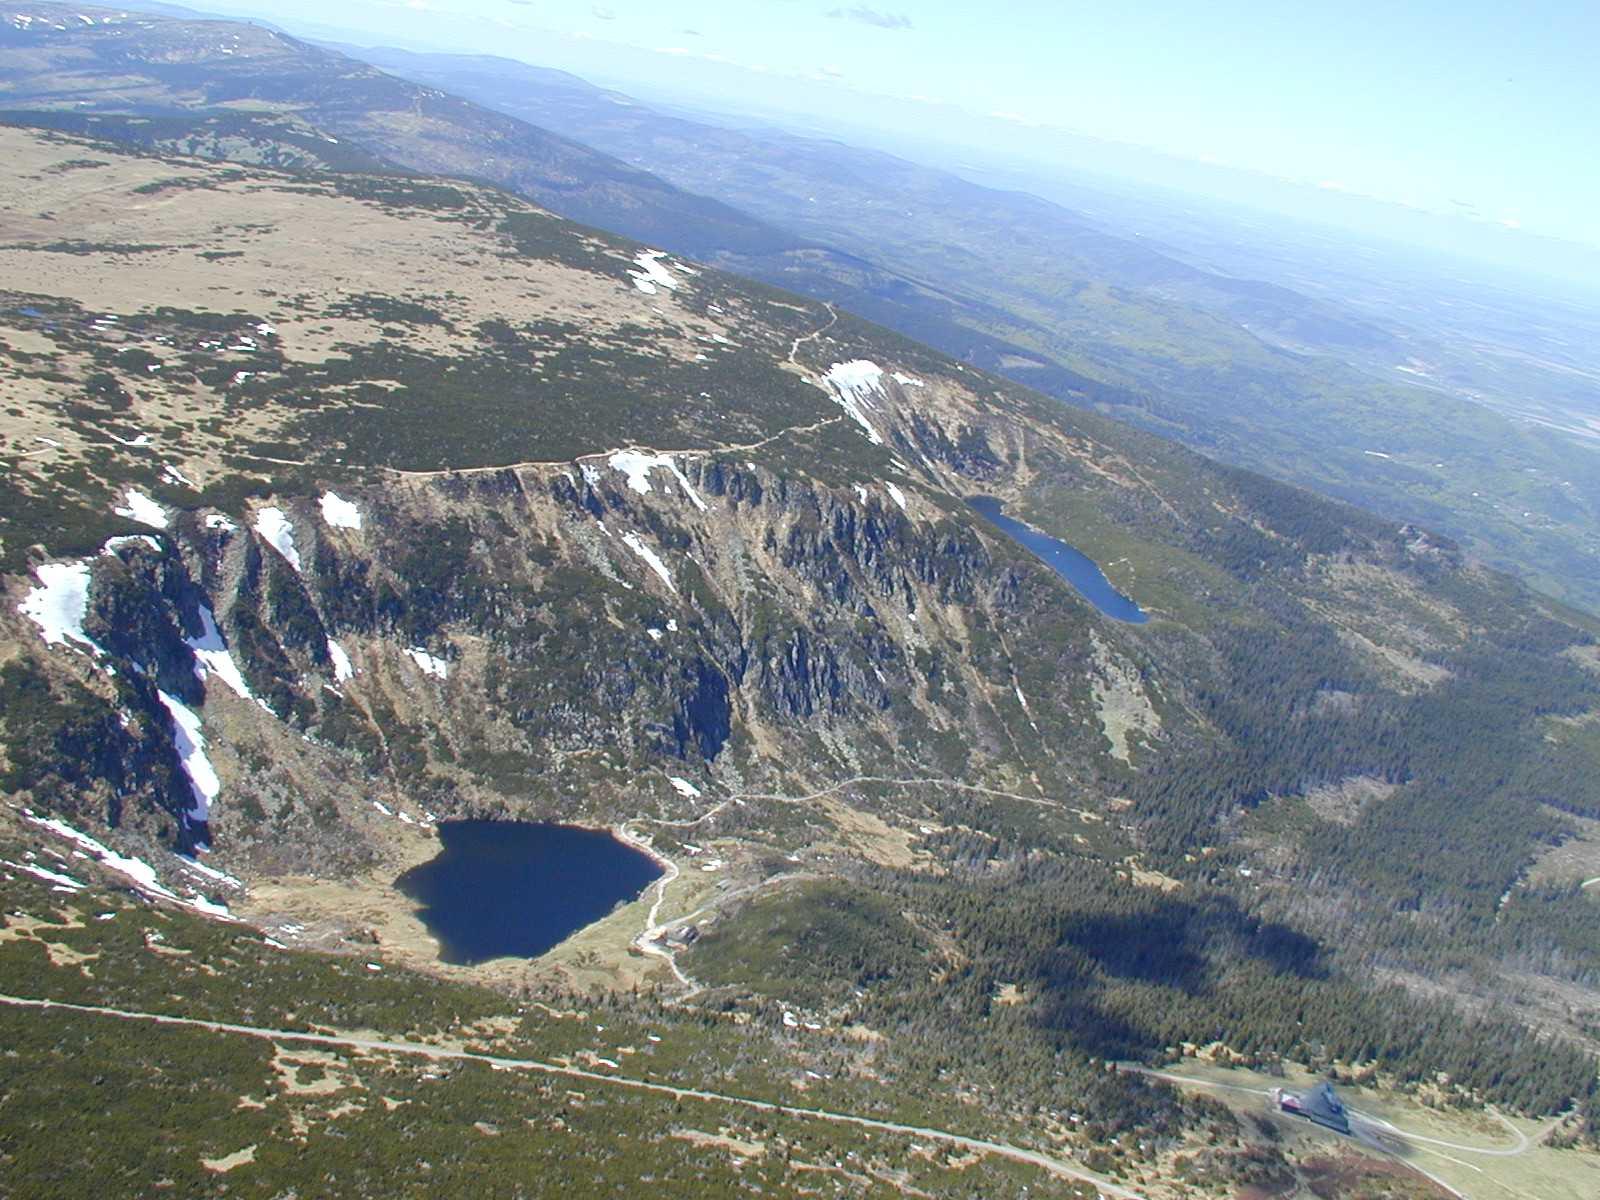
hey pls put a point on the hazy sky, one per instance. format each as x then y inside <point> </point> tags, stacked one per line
<point>1482,108</point>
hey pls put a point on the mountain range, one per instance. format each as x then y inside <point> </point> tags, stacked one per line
<point>348,493</point>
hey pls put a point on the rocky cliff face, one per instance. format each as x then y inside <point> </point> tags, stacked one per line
<point>551,640</point>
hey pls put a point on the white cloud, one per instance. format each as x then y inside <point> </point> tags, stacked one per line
<point>872,16</point>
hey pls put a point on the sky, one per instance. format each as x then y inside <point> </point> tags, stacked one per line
<point>1478,109</point>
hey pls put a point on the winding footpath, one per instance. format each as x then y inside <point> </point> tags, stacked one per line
<point>650,940</point>
<point>1044,1162</point>
<point>794,350</point>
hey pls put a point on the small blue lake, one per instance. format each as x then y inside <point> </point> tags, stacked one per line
<point>1076,567</point>
<point>500,889</point>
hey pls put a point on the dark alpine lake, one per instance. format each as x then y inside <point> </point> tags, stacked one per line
<point>502,889</point>
<point>1076,567</point>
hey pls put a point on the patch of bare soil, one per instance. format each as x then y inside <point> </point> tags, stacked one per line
<point>228,1162</point>
<point>722,1140</point>
<point>1344,801</point>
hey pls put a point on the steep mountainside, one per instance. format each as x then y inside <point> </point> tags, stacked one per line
<point>338,504</point>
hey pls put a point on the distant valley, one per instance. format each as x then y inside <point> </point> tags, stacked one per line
<point>1258,374</point>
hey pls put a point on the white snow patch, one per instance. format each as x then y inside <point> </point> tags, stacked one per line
<point>128,539</point>
<point>672,625</point>
<point>383,808</point>
<point>1377,454</point>
<point>856,385</point>
<point>212,656</point>
<point>66,881</point>
<point>197,901</point>
<point>637,467</point>
<point>684,788</point>
<point>340,513</point>
<point>218,521</point>
<point>139,507</point>
<point>632,542</point>
<point>174,476</point>
<point>276,530</point>
<point>142,873</point>
<point>651,273</point>
<point>60,603</point>
<point>212,873</point>
<point>897,496</point>
<point>655,634</point>
<point>137,443</point>
<point>191,744</point>
<point>342,668</point>
<point>908,381</point>
<point>437,667</point>
<point>861,492</point>
<point>591,473</point>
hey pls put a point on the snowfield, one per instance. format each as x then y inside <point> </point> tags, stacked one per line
<point>140,872</point>
<point>113,545</point>
<point>278,533</point>
<point>60,603</point>
<point>651,275</point>
<point>212,657</point>
<point>65,882</point>
<point>856,387</point>
<point>429,665</point>
<point>139,507</point>
<point>632,542</point>
<point>342,668</point>
<point>637,467</point>
<point>340,513</point>
<point>191,744</point>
